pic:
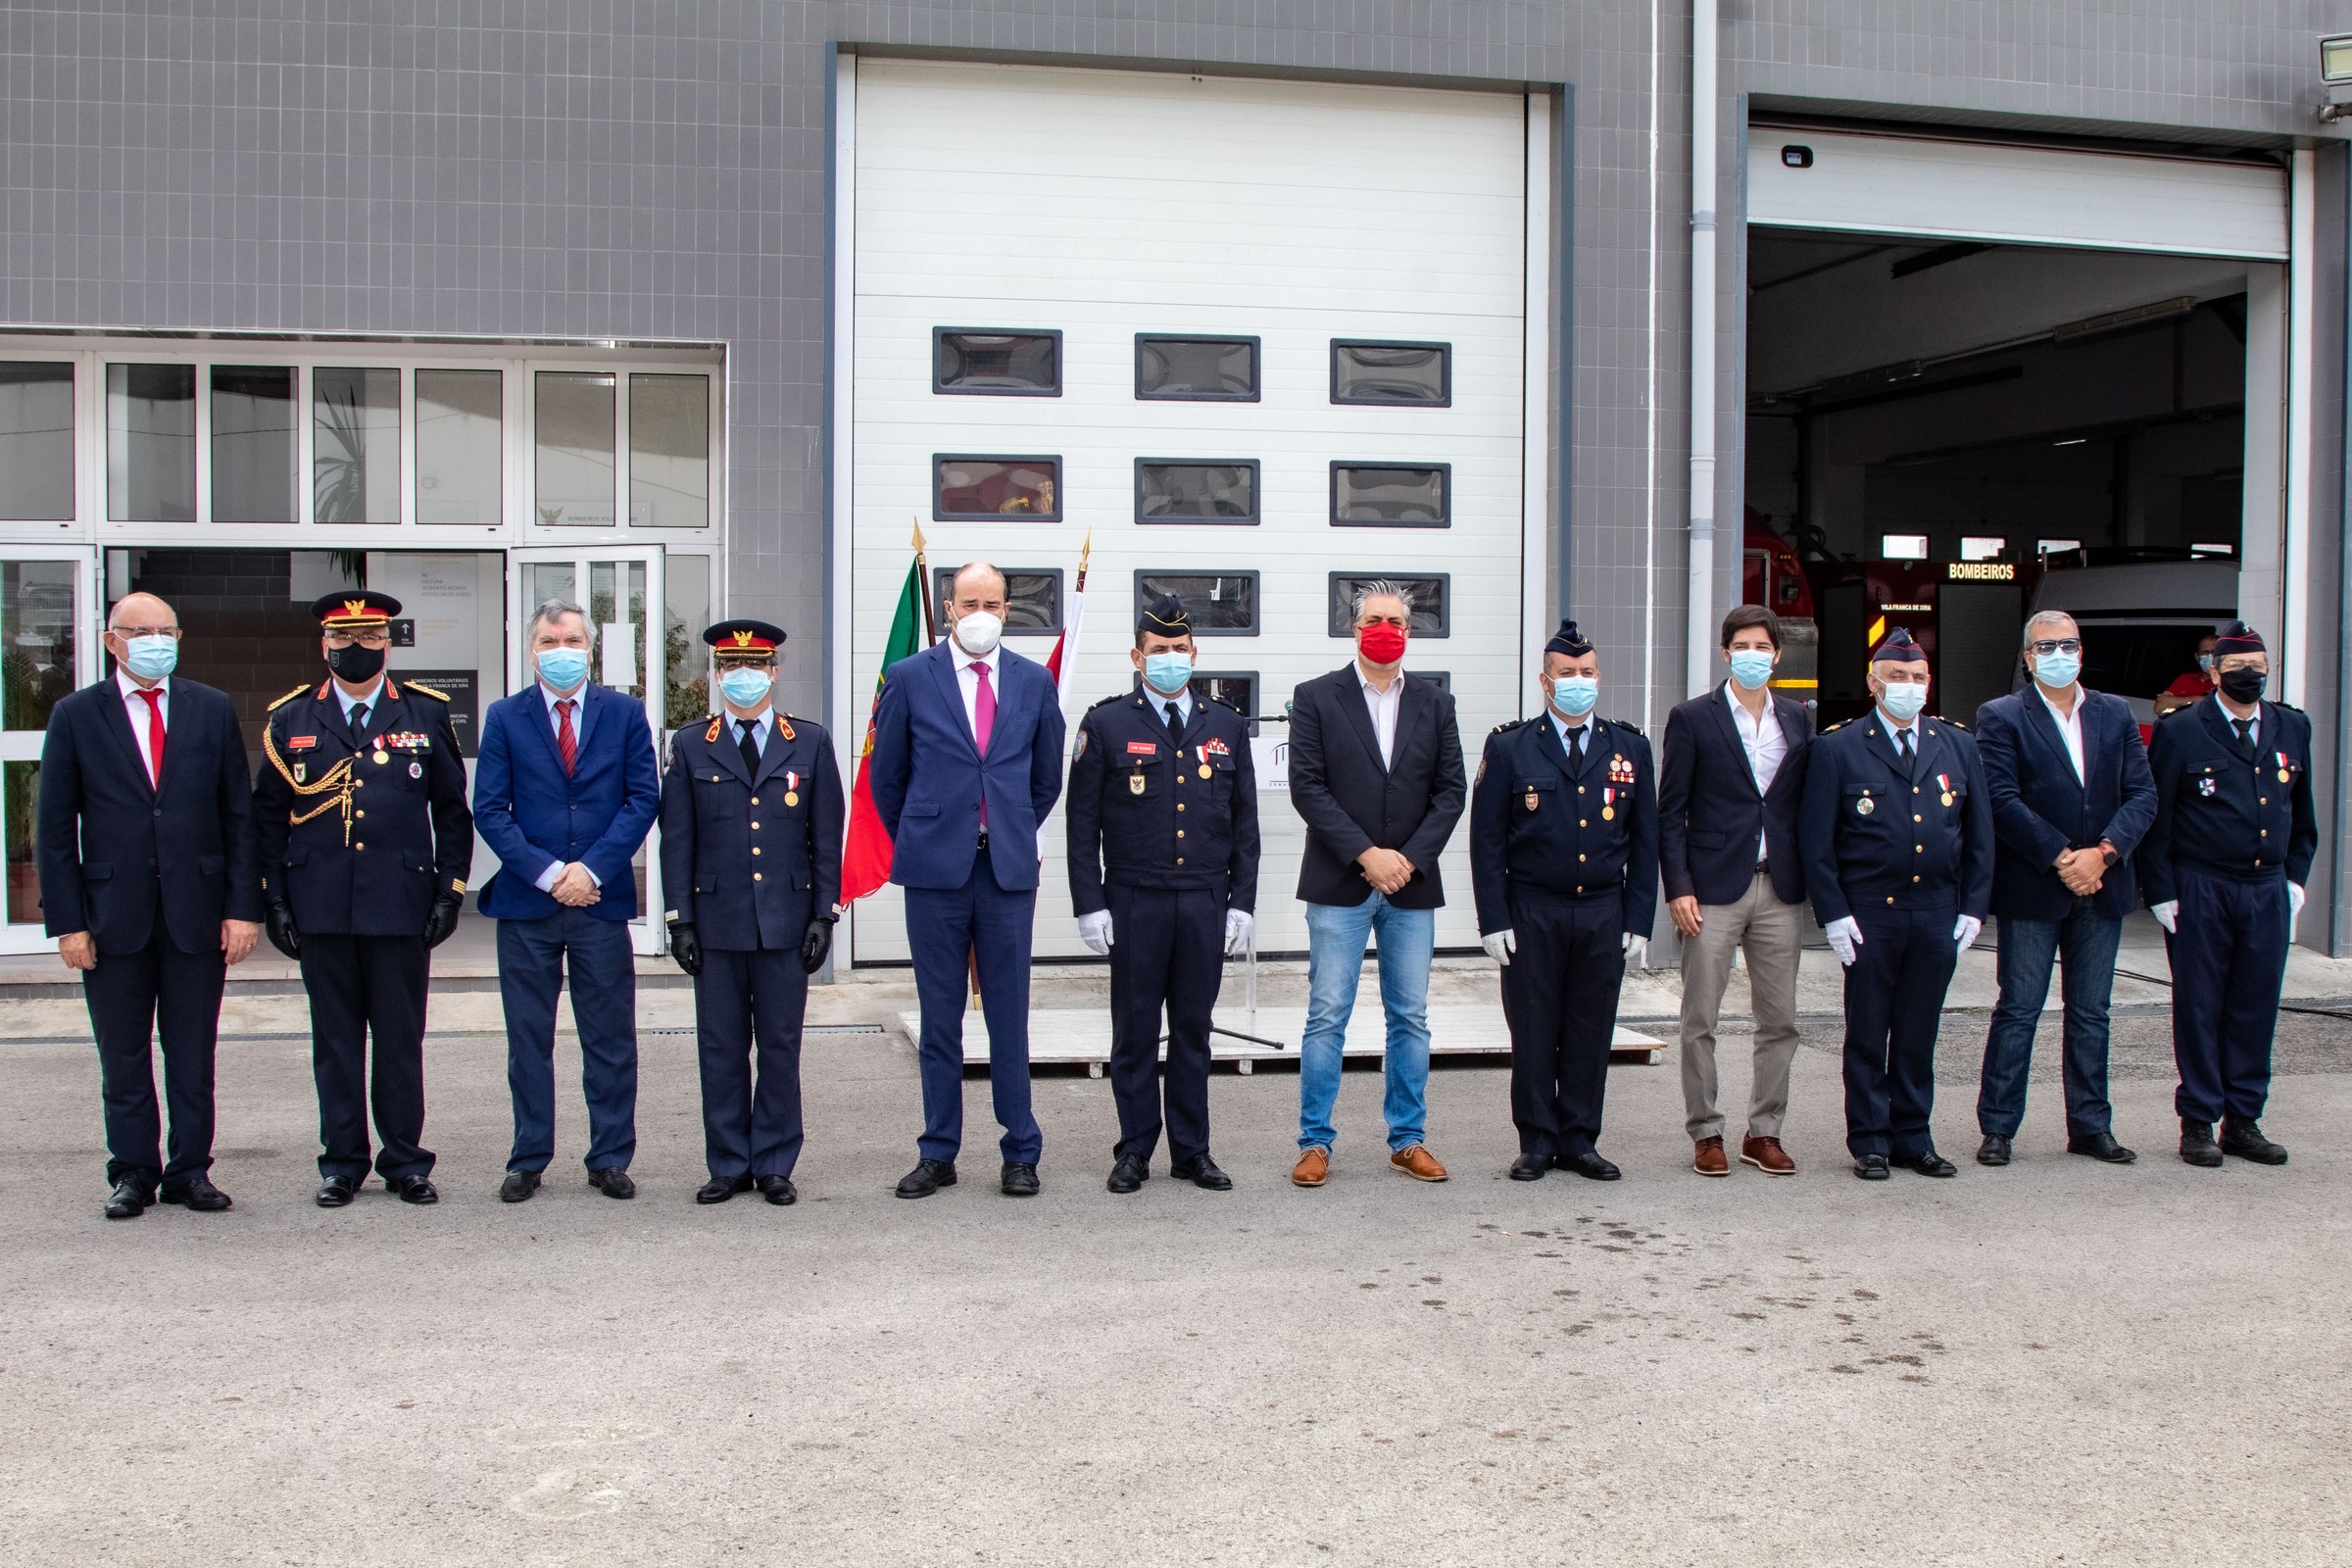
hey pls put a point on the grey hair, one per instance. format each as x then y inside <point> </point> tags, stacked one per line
<point>1377,588</point>
<point>555,610</point>
<point>2054,616</point>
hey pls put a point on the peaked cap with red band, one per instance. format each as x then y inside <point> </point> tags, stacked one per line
<point>744,639</point>
<point>355,610</point>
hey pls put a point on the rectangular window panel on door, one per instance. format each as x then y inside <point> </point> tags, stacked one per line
<point>38,623</point>
<point>1032,598</point>
<point>355,445</point>
<point>1427,595</point>
<point>996,364</point>
<point>37,441</point>
<point>1195,369</point>
<point>577,417</point>
<point>1222,603</point>
<point>151,443</point>
<point>984,488</point>
<point>1180,490</point>
<point>1412,373</point>
<point>460,421</point>
<point>1236,689</point>
<point>670,452</point>
<point>1375,495</point>
<point>685,612</point>
<point>253,443</point>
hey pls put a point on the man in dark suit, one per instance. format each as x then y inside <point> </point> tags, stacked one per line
<point>751,870</point>
<point>1375,770</point>
<point>1164,872</point>
<point>2223,870</point>
<point>1729,787</point>
<point>566,787</point>
<point>148,884</point>
<point>1896,832</point>
<point>2072,799</point>
<point>365,845</point>
<point>1564,858</point>
<point>966,763</point>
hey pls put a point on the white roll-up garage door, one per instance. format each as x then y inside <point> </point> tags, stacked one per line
<point>2011,194</point>
<point>1104,205</point>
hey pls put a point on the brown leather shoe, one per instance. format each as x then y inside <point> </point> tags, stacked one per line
<point>1707,1158</point>
<point>1418,1163</point>
<point>1315,1166</point>
<point>1767,1156</point>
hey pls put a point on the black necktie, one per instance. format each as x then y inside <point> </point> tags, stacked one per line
<point>1576,749</point>
<point>1910,759</point>
<point>358,720</point>
<point>1175,729</point>
<point>751,750</point>
<point>2245,735</point>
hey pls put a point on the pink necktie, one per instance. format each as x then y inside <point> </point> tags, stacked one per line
<point>984,724</point>
<point>155,736</point>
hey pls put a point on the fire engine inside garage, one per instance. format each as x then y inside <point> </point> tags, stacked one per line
<point>1986,379</point>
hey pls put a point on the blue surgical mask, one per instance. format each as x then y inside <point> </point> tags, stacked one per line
<point>1751,668</point>
<point>2205,663</point>
<point>746,688</point>
<point>151,657</point>
<point>2058,669</point>
<point>1167,673</point>
<point>1904,701</point>
<point>563,668</point>
<point>1574,695</point>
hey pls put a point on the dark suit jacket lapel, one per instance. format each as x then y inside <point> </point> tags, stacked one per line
<point>943,670</point>
<point>727,752</point>
<point>779,749</point>
<point>1729,727</point>
<point>327,711</point>
<point>1351,701</point>
<point>1881,743</point>
<point>1796,733</point>
<point>592,700</point>
<point>2218,724</point>
<point>112,715</point>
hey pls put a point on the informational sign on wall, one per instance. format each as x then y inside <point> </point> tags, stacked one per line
<point>464,692</point>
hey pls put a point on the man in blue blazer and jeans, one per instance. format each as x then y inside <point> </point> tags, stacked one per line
<point>564,790</point>
<point>966,763</point>
<point>2072,798</point>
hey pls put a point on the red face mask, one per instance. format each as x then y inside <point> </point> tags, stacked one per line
<point>1382,644</point>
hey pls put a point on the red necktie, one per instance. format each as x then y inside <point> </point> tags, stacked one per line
<point>565,741</point>
<point>155,736</point>
<point>984,723</point>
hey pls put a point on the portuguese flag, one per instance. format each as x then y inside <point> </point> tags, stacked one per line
<point>865,856</point>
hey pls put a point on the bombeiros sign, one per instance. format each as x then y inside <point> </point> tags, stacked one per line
<point>1980,571</point>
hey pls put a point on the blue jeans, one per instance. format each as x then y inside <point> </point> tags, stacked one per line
<point>2087,943</point>
<point>1336,938</point>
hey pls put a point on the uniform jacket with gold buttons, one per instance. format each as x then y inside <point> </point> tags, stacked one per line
<point>2222,813</point>
<point>1536,822</point>
<point>1874,837</point>
<point>749,859</point>
<point>1146,814</point>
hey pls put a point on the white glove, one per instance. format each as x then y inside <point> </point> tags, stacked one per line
<point>1844,936</point>
<point>2294,909</point>
<point>2168,915</point>
<point>1095,930</point>
<point>1635,950</point>
<point>1237,931</point>
<point>1499,945</point>
<point>1965,929</point>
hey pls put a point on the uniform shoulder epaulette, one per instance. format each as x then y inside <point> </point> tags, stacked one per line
<point>1953,722</point>
<point>1219,701</point>
<point>1630,729</point>
<point>289,696</point>
<point>1835,729</point>
<point>1106,702</point>
<point>1507,728</point>
<point>419,686</point>
<point>2287,706</point>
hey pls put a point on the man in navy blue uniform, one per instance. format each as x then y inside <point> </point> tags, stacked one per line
<point>2223,870</point>
<point>366,843</point>
<point>2071,801</point>
<point>1896,833</point>
<point>1164,871</point>
<point>1564,862</point>
<point>751,868</point>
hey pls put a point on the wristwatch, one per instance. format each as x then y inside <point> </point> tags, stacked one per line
<point>2108,854</point>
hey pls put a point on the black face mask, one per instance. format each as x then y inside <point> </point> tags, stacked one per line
<point>2241,685</point>
<point>357,664</point>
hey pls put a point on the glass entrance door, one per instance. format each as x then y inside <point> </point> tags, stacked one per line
<point>621,591</point>
<point>47,649</point>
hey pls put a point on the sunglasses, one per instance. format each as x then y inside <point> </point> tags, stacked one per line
<point>2058,645</point>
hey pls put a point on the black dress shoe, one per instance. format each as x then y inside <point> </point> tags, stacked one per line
<point>1995,1150</point>
<point>1020,1179</point>
<point>1201,1173</point>
<point>779,1191</point>
<point>518,1186</point>
<point>1128,1173</point>
<point>927,1177</point>
<point>1589,1164</point>
<point>1871,1167</point>
<point>2244,1140</point>
<point>2101,1147</point>
<point>2197,1147</point>
<point>1530,1167</point>
<point>413,1189</point>
<point>337,1190</point>
<point>128,1201</point>
<point>197,1193</point>
<point>1928,1162</point>
<point>612,1181</point>
<point>719,1188</point>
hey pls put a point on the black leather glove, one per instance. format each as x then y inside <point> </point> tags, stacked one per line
<point>443,919</point>
<point>278,920</point>
<point>686,947</point>
<point>815,943</point>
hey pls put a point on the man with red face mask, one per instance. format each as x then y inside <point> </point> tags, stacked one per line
<point>1375,770</point>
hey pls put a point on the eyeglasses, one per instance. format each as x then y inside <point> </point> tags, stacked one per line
<point>366,639</point>
<point>126,633</point>
<point>2058,645</point>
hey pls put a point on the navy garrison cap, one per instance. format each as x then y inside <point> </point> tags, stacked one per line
<point>2238,638</point>
<point>1568,640</point>
<point>1165,616</point>
<point>1899,648</point>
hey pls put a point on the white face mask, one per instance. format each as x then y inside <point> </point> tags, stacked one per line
<point>977,633</point>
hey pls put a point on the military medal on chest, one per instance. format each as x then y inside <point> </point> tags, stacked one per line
<point>1943,782</point>
<point>1608,805</point>
<point>1865,806</point>
<point>792,788</point>
<point>2283,765</point>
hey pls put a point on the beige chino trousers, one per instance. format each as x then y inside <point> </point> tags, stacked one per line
<point>1772,933</point>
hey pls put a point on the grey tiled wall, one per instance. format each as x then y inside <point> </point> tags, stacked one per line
<point>655,169</point>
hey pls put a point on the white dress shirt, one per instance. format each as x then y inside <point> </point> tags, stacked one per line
<point>2070,727</point>
<point>1384,708</point>
<point>968,681</point>
<point>1767,748</point>
<point>134,707</point>
<point>2253,725</point>
<point>577,696</point>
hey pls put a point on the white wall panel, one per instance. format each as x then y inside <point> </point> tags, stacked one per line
<point>1104,203</point>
